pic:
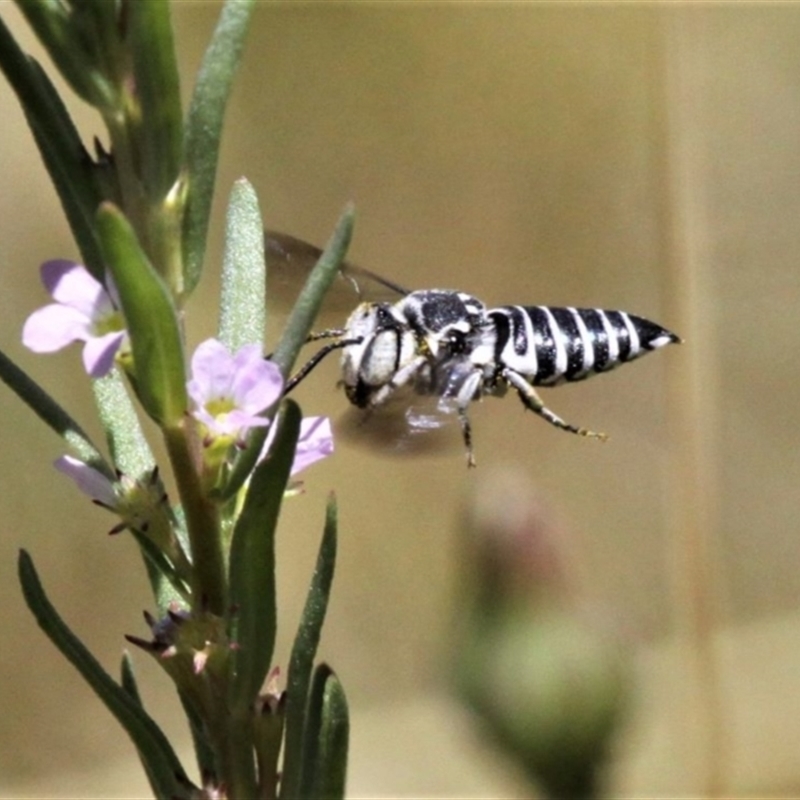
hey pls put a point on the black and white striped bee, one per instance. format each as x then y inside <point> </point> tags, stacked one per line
<point>448,344</point>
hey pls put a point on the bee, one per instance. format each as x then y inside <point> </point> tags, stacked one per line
<point>448,344</point>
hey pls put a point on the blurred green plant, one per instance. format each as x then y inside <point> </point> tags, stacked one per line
<point>548,684</point>
<point>139,208</point>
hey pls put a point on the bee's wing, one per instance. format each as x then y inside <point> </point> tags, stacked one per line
<point>290,260</point>
<point>408,424</point>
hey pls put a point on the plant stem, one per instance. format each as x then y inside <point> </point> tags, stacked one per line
<point>203,525</point>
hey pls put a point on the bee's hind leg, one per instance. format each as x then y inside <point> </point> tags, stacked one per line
<point>532,401</point>
<point>466,433</point>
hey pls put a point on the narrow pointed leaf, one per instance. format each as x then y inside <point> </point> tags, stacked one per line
<point>71,169</point>
<point>70,35</point>
<point>252,619</point>
<point>78,221</point>
<point>204,754</point>
<point>204,129</point>
<point>150,318</point>
<point>131,455</point>
<point>308,303</point>
<point>126,440</point>
<point>303,654</point>
<point>324,770</point>
<point>268,738</point>
<point>128,678</point>
<point>335,736</point>
<point>80,182</point>
<point>153,747</point>
<point>51,413</point>
<point>243,304</point>
<point>129,685</point>
<point>158,90</point>
<point>166,583</point>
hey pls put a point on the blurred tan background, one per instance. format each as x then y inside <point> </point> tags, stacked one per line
<point>626,156</point>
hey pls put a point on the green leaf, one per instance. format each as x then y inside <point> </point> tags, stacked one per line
<point>252,618</point>
<point>129,678</point>
<point>132,456</point>
<point>166,582</point>
<point>334,742</point>
<point>157,87</point>
<point>268,737</point>
<point>251,615</point>
<point>71,169</point>
<point>327,734</point>
<point>51,413</point>
<point>128,681</point>
<point>73,36</point>
<point>204,129</point>
<point>304,652</point>
<point>150,318</point>
<point>163,766</point>
<point>204,754</point>
<point>126,440</point>
<point>308,303</point>
<point>243,306</point>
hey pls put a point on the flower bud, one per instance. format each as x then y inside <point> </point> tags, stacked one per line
<point>548,684</point>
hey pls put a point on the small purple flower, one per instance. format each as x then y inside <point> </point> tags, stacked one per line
<point>314,443</point>
<point>231,390</point>
<point>83,312</point>
<point>90,481</point>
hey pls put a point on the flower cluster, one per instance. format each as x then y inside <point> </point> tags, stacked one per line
<point>229,391</point>
<point>139,209</point>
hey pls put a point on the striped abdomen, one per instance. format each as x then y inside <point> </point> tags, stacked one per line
<point>552,345</point>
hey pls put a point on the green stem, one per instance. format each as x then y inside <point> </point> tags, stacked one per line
<point>132,197</point>
<point>238,757</point>
<point>203,525</point>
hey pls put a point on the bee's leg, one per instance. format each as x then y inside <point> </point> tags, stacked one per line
<point>400,378</point>
<point>316,358</point>
<point>466,433</point>
<point>331,333</point>
<point>467,392</point>
<point>533,402</point>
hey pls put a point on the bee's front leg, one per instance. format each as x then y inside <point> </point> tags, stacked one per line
<point>398,380</point>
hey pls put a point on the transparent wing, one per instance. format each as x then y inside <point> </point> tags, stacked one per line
<point>289,261</point>
<point>408,425</point>
<point>419,419</point>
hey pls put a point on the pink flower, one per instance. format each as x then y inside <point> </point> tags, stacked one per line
<point>230,391</point>
<point>314,444</point>
<point>83,312</point>
<point>90,481</point>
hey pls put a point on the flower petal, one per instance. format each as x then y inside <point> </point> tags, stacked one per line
<point>257,384</point>
<point>99,353</point>
<point>53,327</point>
<point>88,480</point>
<point>212,372</point>
<point>72,285</point>
<point>314,444</point>
<point>238,421</point>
